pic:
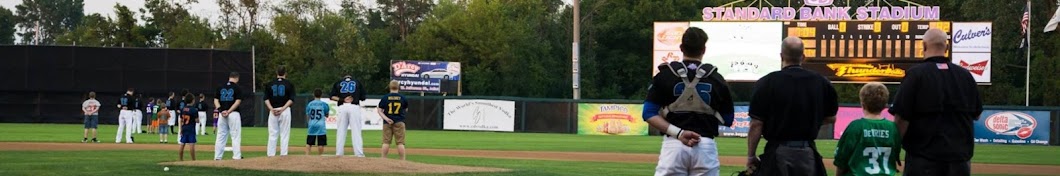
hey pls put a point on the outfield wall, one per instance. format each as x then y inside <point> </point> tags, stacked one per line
<point>540,115</point>
<point>47,84</point>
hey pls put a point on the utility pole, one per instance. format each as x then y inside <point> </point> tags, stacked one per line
<point>574,51</point>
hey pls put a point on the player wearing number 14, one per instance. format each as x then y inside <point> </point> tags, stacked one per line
<point>869,146</point>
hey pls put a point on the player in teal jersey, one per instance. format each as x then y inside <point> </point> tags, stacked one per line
<point>317,113</point>
<point>869,146</point>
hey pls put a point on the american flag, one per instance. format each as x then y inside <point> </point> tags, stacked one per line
<point>1025,23</point>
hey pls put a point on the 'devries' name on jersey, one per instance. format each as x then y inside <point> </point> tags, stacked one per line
<point>876,133</point>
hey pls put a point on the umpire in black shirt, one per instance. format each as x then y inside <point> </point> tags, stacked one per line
<point>788,108</point>
<point>934,107</point>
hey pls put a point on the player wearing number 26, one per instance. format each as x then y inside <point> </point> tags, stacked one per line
<point>869,146</point>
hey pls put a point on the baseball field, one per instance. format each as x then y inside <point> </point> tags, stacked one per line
<point>55,149</point>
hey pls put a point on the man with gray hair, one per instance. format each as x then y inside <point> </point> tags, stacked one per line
<point>934,109</point>
<point>787,108</point>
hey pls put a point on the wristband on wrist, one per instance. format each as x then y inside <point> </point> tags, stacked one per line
<point>674,131</point>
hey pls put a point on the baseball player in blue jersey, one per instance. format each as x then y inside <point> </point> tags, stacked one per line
<point>200,127</point>
<point>187,128</point>
<point>687,101</point>
<point>392,108</point>
<point>229,96</point>
<point>279,96</point>
<point>172,105</point>
<point>349,93</point>
<point>317,115</point>
<point>125,117</point>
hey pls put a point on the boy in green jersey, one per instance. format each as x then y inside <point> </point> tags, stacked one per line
<point>869,146</point>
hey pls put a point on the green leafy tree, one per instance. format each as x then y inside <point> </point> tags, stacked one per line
<point>405,15</point>
<point>7,27</point>
<point>44,20</point>
<point>94,30</point>
<point>126,31</point>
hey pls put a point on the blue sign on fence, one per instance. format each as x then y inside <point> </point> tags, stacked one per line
<point>740,125</point>
<point>1013,127</point>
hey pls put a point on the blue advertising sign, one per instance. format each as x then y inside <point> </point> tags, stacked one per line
<point>740,124</point>
<point>425,76</point>
<point>1013,127</point>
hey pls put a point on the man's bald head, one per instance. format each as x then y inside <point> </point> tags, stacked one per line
<point>792,50</point>
<point>935,43</point>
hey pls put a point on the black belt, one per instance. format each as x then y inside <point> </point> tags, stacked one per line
<point>799,144</point>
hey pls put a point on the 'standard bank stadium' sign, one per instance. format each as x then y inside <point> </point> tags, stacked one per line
<point>822,10</point>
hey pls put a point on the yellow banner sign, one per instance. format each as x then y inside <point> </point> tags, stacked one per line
<point>611,119</point>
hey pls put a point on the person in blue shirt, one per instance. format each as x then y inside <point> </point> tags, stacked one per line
<point>392,108</point>
<point>187,129</point>
<point>317,115</point>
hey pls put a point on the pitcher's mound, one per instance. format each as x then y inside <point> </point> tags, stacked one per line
<point>333,164</point>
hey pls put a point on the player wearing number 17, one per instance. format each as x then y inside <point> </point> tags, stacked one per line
<point>869,146</point>
<point>392,108</point>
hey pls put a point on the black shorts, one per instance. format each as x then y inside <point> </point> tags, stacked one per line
<point>317,140</point>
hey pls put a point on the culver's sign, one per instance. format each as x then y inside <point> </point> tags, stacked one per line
<point>972,37</point>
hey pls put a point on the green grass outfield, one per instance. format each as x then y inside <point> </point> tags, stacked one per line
<point>139,162</point>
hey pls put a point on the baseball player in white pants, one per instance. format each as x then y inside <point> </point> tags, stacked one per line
<point>125,117</point>
<point>138,120</point>
<point>229,96</point>
<point>228,126</point>
<point>200,128</point>
<point>348,91</point>
<point>125,125</point>
<point>350,117</point>
<point>279,130</point>
<point>278,99</point>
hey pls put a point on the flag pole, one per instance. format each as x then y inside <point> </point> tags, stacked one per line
<point>1027,82</point>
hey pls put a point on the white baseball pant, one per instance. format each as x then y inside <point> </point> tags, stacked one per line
<point>677,159</point>
<point>200,128</point>
<point>124,126</point>
<point>279,127</point>
<point>349,117</point>
<point>138,121</point>
<point>228,126</point>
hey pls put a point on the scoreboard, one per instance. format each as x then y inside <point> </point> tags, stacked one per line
<point>842,51</point>
<point>862,51</point>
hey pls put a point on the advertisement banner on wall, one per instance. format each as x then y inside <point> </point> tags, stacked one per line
<point>971,37</point>
<point>845,115</point>
<point>740,124</point>
<point>611,119</point>
<point>976,63</point>
<point>663,57</point>
<point>479,115</point>
<point>371,119</point>
<point>426,76</point>
<point>1013,127</point>
<point>743,51</point>
<point>668,35</point>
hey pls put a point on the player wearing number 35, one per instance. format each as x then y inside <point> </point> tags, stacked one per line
<point>869,146</point>
<point>787,108</point>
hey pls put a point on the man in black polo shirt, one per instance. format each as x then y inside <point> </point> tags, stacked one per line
<point>934,109</point>
<point>690,124</point>
<point>788,108</point>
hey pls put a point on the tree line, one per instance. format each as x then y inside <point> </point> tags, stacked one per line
<point>516,48</point>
